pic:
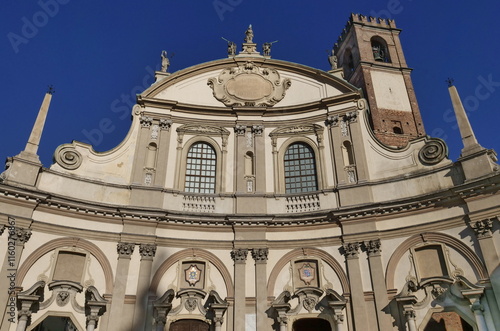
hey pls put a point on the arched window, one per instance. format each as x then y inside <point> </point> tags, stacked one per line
<point>348,63</point>
<point>379,49</point>
<point>200,169</point>
<point>300,169</point>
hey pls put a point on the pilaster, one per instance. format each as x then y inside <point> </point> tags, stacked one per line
<point>373,250</point>
<point>351,251</point>
<point>239,256</point>
<point>124,251</point>
<point>147,252</point>
<point>260,257</point>
<point>18,237</point>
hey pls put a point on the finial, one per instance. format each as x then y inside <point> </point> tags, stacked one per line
<point>249,35</point>
<point>450,81</point>
<point>51,89</point>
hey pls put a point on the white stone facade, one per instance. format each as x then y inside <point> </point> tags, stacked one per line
<point>257,194</point>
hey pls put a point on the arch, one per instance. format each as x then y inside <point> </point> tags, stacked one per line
<point>459,246</point>
<point>298,252</point>
<point>380,50</point>
<point>281,156</point>
<point>73,242</point>
<point>347,153</point>
<point>151,155</point>
<point>348,62</point>
<point>193,252</point>
<point>183,161</point>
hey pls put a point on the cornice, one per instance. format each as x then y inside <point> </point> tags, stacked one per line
<point>384,210</point>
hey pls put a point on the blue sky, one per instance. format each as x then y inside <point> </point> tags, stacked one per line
<point>98,55</point>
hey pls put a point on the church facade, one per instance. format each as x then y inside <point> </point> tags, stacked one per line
<point>258,194</point>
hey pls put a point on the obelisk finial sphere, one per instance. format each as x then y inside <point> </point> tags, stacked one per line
<point>450,81</point>
<point>51,90</point>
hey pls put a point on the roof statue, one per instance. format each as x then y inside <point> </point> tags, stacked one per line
<point>165,62</point>
<point>332,59</point>
<point>266,48</point>
<point>231,47</point>
<point>249,34</point>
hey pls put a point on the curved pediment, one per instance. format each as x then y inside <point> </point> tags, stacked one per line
<point>247,82</point>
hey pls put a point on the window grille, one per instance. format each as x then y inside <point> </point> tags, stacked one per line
<point>300,169</point>
<point>200,169</point>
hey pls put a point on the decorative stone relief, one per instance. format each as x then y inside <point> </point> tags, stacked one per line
<point>351,173</point>
<point>147,251</point>
<point>239,254</point>
<point>296,129</point>
<point>343,128</point>
<point>191,304</point>
<point>249,139</point>
<point>260,254</point>
<point>125,250</point>
<point>154,131</point>
<point>203,129</point>
<point>433,152</point>
<point>249,85</point>
<point>68,157</point>
<point>309,303</point>
<point>148,178</point>
<point>62,298</point>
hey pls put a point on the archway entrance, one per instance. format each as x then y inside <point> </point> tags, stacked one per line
<point>189,325</point>
<point>311,324</point>
<point>447,321</point>
<point>56,323</point>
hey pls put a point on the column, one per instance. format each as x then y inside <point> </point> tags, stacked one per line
<point>410,318</point>
<point>239,256</point>
<point>373,249</point>
<point>260,257</point>
<point>474,295</point>
<point>482,229</point>
<point>147,252</point>
<point>351,251</point>
<point>125,251</point>
<point>15,245</point>
<point>25,301</point>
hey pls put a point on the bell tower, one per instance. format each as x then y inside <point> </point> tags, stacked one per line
<point>369,52</point>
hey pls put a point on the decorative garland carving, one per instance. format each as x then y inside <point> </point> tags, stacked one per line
<point>249,85</point>
<point>433,152</point>
<point>68,157</point>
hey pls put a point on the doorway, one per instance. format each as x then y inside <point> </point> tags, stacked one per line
<point>311,324</point>
<point>189,325</point>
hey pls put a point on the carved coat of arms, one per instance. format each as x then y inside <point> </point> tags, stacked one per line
<point>192,274</point>
<point>249,85</point>
<point>307,273</point>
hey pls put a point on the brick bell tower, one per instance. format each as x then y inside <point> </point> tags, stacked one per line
<point>369,52</point>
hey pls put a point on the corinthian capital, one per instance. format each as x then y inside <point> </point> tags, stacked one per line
<point>147,251</point>
<point>125,250</point>
<point>351,250</point>
<point>260,254</point>
<point>239,255</point>
<point>373,247</point>
<point>482,228</point>
<point>19,235</point>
